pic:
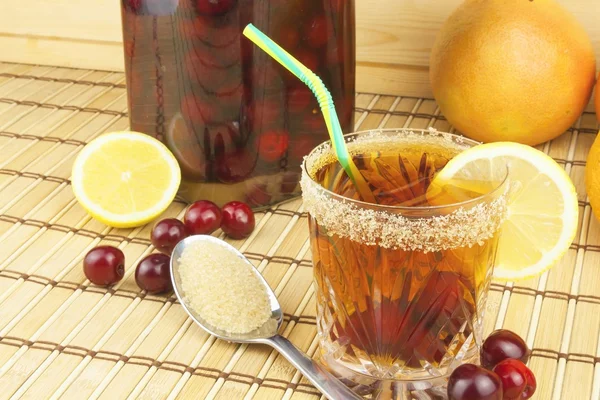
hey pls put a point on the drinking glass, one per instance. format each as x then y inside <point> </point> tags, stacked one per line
<point>401,285</point>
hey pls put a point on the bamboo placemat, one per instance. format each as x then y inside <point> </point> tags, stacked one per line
<point>62,338</point>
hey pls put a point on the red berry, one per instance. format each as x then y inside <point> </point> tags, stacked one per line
<point>104,265</point>
<point>471,382</point>
<point>502,344</point>
<point>166,234</point>
<point>518,381</point>
<point>202,218</point>
<point>133,5</point>
<point>218,33</point>
<point>214,7</point>
<point>153,273</point>
<point>316,32</point>
<point>273,145</point>
<point>238,220</point>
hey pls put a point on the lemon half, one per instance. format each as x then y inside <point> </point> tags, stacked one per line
<point>542,213</point>
<point>125,179</point>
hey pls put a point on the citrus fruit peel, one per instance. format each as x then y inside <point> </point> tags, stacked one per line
<point>125,179</point>
<point>543,211</point>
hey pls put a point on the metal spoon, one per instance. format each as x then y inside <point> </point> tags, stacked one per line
<point>329,385</point>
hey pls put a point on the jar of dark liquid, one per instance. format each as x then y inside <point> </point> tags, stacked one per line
<point>238,123</point>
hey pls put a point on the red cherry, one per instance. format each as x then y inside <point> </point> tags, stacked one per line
<point>104,265</point>
<point>470,382</point>
<point>216,32</point>
<point>235,167</point>
<point>316,32</point>
<point>153,273</point>
<point>518,381</point>
<point>238,220</point>
<point>502,344</point>
<point>132,5</point>
<point>202,218</point>
<point>166,234</point>
<point>272,145</point>
<point>214,7</point>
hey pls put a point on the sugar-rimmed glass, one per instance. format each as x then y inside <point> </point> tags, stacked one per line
<point>401,291</point>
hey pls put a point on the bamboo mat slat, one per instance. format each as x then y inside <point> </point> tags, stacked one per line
<point>61,337</point>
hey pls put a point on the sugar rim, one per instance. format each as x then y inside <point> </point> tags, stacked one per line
<point>470,222</point>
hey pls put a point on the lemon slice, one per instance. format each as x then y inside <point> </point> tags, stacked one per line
<point>542,212</point>
<point>125,179</point>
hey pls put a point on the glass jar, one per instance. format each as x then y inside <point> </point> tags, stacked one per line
<point>238,123</point>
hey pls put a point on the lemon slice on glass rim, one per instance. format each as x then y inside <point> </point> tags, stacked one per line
<point>542,214</point>
<point>125,179</point>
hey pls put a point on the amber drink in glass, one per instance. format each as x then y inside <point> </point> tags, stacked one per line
<point>401,285</point>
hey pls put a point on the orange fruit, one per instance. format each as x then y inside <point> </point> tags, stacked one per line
<point>512,70</point>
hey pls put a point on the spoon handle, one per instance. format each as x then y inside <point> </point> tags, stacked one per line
<point>328,384</point>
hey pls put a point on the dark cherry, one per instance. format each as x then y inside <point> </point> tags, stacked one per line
<point>272,145</point>
<point>471,382</point>
<point>518,382</point>
<point>133,5</point>
<point>153,273</point>
<point>167,233</point>
<point>316,32</point>
<point>503,344</point>
<point>104,265</point>
<point>202,218</point>
<point>238,220</point>
<point>217,32</point>
<point>214,7</point>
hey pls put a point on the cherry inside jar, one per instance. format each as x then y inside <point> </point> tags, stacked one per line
<point>238,123</point>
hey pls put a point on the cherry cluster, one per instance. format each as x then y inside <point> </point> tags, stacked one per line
<point>105,265</point>
<point>503,374</point>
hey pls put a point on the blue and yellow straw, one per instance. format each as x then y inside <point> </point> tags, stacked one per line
<point>325,102</point>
